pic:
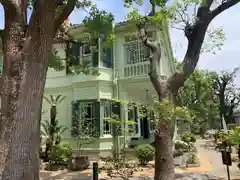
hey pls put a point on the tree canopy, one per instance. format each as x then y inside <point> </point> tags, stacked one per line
<point>198,95</point>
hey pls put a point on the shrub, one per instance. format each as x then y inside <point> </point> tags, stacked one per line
<point>192,159</point>
<point>180,145</point>
<point>145,153</point>
<point>60,154</point>
<point>188,137</point>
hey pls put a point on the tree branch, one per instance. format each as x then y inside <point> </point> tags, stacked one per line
<point>155,56</point>
<point>64,14</point>
<point>24,11</point>
<point>224,6</point>
<point>195,34</point>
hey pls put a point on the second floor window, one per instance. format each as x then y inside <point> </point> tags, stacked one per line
<point>135,51</point>
<point>79,54</point>
<point>86,49</point>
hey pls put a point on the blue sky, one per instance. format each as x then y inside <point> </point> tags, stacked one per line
<point>226,59</point>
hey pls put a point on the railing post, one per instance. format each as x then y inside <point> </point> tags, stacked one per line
<point>95,171</point>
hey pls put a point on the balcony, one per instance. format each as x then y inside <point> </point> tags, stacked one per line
<point>138,69</point>
<point>136,59</point>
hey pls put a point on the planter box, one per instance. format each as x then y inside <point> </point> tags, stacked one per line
<point>79,163</point>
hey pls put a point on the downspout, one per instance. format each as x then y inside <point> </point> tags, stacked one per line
<point>115,91</point>
<point>99,61</point>
<point>115,79</point>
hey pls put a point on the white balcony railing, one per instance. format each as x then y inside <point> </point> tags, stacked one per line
<point>137,69</point>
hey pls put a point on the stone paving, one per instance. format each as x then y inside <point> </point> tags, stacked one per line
<point>211,163</point>
<point>212,160</point>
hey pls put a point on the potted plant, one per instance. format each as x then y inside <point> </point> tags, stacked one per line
<point>83,132</point>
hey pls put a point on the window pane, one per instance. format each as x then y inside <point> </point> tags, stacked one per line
<point>83,119</point>
<point>132,52</point>
<point>107,126</point>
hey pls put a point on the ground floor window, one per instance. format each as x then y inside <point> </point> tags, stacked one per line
<point>107,111</point>
<point>133,116</point>
<point>152,121</point>
<point>83,118</point>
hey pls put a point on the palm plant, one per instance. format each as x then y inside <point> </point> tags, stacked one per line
<point>52,130</point>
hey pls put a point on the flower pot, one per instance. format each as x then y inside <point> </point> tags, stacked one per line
<point>54,167</point>
<point>79,163</point>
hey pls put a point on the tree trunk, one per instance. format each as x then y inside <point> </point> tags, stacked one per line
<point>26,50</point>
<point>22,84</point>
<point>164,163</point>
<point>19,138</point>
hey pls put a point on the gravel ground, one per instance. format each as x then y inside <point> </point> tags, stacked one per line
<point>211,169</point>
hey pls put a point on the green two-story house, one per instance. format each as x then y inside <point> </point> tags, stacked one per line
<point>123,69</point>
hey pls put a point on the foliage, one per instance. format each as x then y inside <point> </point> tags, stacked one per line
<point>51,130</point>
<point>54,100</point>
<point>83,131</point>
<point>192,159</point>
<point>188,137</point>
<point>55,61</point>
<point>197,95</point>
<point>227,94</point>
<point>120,167</point>
<point>166,111</point>
<point>145,153</point>
<point>60,154</point>
<point>234,135</point>
<point>181,15</point>
<point>117,123</point>
<point>181,145</point>
<point>99,23</point>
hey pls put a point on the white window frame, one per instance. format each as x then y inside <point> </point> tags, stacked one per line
<point>84,56</point>
<point>140,54</point>
<point>92,117</point>
<point>84,49</point>
<point>151,120</point>
<point>138,124</point>
<point>107,105</point>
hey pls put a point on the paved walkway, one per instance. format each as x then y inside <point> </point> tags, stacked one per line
<point>210,160</point>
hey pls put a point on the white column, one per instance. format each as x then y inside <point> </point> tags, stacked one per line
<point>101,119</point>
<point>99,52</point>
<point>138,121</point>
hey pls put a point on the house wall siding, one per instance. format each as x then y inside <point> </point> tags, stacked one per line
<point>88,87</point>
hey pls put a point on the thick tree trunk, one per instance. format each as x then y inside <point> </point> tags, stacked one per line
<point>164,164</point>
<point>21,111</point>
<point>22,84</point>
<point>26,51</point>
